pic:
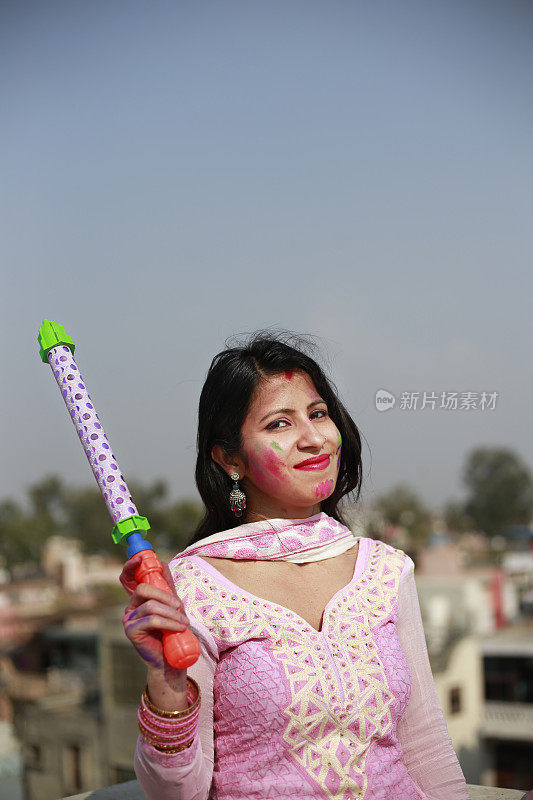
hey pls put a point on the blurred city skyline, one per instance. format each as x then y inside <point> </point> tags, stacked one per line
<point>177,174</point>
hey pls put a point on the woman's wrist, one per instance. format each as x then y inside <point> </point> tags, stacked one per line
<point>168,688</point>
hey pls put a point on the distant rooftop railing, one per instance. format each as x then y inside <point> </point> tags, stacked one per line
<point>132,791</point>
<point>507,720</point>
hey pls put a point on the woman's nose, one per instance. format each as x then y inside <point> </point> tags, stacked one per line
<point>310,436</point>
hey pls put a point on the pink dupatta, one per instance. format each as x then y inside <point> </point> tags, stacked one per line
<point>297,540</point>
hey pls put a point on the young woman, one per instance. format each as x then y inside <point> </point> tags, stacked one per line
<point>314,679</point>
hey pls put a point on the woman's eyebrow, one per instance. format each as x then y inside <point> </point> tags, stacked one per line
<point>289,410</point>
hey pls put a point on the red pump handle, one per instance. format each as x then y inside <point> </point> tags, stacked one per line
<point>182,648</point>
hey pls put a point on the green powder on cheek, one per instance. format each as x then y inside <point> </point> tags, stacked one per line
<point>276,446</point>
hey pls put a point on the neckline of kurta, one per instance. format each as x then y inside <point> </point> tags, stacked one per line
<point>359,568</point>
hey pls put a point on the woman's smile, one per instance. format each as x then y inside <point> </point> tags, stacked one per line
<point>320,462</point>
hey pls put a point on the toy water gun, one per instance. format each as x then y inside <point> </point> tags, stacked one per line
<point>181,649</point>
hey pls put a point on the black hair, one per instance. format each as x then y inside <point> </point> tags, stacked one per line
<point>233,377</point>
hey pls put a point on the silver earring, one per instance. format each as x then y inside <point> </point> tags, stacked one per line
<point>237,498</point>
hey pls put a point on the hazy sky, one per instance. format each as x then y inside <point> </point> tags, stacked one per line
<point>176,173</point>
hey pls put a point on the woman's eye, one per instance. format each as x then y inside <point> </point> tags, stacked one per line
<point>279,424</point>
<point>274,426</point>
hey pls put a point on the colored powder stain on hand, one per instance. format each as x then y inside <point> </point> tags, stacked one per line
<point>276,446</point>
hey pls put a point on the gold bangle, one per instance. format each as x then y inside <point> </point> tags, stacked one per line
<point>169,725</point>
<point>168,739</point>
<point>171,749</point>
<point>173,714</point>
<point>158,744</point>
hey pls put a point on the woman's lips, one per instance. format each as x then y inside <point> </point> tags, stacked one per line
<point>314,463</point>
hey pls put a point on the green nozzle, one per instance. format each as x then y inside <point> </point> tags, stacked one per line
<point>129,525</point>
<point>51,334</point>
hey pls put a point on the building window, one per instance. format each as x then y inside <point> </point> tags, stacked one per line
<point>455,700</point>
<point>509,678</point>
<point>513,764</point>
<point>128,675</point>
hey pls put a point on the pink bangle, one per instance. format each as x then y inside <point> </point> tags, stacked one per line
<point>164,742</point>
<point>177,733</point>
<point>163,724</point>
<point>166,748</point>
<point>170,731</point>
<point>158,726</point>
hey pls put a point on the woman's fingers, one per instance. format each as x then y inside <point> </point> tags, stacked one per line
<point>145,591</point>
<point>127,576</point>
<point>152,623</point>
<point>150,612</point>
<point>153,607</point>
<point>151,617</point>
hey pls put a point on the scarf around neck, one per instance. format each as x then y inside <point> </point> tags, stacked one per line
<point>297,540</point>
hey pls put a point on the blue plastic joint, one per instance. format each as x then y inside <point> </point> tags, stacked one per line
<point>136,543</point>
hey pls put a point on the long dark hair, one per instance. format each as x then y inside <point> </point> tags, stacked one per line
<point>232,378</point>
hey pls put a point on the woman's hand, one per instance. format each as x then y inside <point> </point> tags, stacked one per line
<point>149,612</point>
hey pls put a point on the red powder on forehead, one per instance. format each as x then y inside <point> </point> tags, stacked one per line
<point>288,374</point>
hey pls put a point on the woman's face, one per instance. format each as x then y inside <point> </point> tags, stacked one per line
<point>288,425</point>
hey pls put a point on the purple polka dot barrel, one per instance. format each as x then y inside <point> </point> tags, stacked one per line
<point>91,433</point>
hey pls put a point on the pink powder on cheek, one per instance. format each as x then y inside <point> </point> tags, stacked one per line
<point>324,489</point>
<point>274,464</point>
<point>265,466</point>
<point>257,469</point>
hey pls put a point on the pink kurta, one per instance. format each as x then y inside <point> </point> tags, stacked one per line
<point>347,713</point>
